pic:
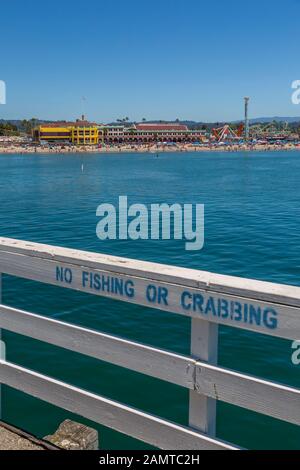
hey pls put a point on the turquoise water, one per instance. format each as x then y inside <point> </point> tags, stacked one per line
<point>252,229</point>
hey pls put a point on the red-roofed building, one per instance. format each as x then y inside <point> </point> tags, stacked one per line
<point>161,127</point>
<point>151,132</point>
<point>77,123</point>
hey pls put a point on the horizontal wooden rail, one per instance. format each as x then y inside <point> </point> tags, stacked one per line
<point>263,396</point>
<point>249,288</point>
<point>266,397</point>
<point>143,426</point>
<point>158,363</point>
<point>263,307</point>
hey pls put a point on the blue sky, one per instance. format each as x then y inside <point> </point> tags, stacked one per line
<point>161,59</point>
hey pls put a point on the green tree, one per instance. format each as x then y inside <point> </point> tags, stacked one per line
<point>8,129</point>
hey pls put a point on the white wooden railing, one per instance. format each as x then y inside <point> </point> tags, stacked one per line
<point>209,299</point>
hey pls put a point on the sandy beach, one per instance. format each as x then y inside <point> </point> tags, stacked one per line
<point>129,148</point>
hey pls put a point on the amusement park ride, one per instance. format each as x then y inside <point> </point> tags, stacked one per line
<point>227,133</point>
<point>271,131</point>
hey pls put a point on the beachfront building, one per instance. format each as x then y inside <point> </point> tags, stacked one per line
<point>113,133</point>
<point>150,133</point>
<point>85,135</point>
<point>80,132</point>
<point>53,132</point>
<point>162,132</point>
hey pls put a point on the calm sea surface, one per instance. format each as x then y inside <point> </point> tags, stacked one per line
<point>252,229</point>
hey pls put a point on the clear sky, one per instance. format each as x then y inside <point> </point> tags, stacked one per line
<point>158,59</point>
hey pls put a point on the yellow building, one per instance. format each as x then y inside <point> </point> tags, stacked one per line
<point>80,132</point>
<point>53,133</point>
<point>85,135</point>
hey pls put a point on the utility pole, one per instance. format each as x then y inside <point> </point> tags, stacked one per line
<point>246,117</point>
<point>83,100</point>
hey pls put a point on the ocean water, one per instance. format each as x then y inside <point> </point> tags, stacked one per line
<point>252,229</point>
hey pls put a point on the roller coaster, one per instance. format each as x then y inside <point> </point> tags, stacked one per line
<point>271,130</point>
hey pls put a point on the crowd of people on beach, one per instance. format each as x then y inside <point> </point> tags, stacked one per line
<point>24,147</point>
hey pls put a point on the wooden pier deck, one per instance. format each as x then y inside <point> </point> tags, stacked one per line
<point>12,438</point>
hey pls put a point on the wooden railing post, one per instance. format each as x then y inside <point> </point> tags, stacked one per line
<point>204,347</point>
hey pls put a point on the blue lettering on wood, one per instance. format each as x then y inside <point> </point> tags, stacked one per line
<point>64,275</point>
